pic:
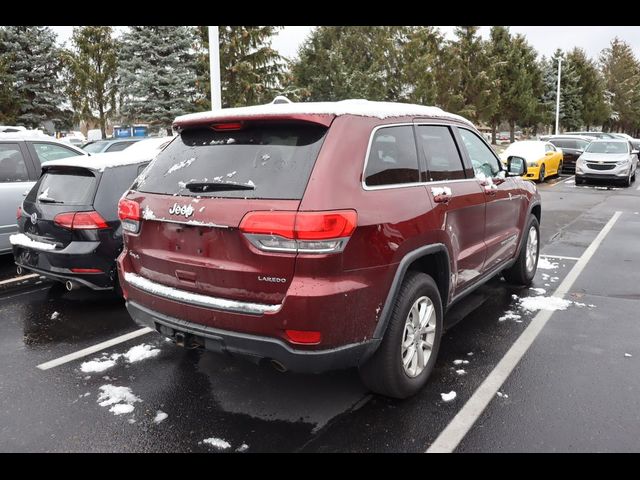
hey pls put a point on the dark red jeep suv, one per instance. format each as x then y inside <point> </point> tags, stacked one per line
<point>321,236</point>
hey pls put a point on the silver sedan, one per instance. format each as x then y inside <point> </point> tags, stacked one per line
<point>608,159</point>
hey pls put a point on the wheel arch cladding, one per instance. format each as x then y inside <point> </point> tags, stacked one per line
<point>430,259</point>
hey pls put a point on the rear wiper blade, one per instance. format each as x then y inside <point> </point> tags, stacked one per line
<point>217,186</point>
<point>48,200</point>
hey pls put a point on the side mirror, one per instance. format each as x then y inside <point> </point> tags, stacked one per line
<point>516,166</point>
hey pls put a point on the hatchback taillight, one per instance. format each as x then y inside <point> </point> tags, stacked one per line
<point>129,215</point>
<point>80,221</point>
<point>302,232</point>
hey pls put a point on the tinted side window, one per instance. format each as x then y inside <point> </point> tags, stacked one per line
<point>49,151</point>
<point>12,165</point>
<point>118,147</point>
<point>564,143</point>
<point>482,158</point>
<point>443,158</point>
<point>549,148</point>
<point>393,158</point>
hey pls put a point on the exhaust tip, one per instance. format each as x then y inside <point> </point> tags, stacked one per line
<point>69,285</point>
<point>19,270</point>
<point>278,366</point>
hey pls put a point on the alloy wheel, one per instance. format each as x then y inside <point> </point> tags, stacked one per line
<point>418,336</point>
<point>532,248</point>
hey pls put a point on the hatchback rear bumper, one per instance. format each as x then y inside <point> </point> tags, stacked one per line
<point>253,346</point>
<point>57,264</point>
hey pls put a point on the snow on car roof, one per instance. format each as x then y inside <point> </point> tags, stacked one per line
<point>101,161</point>
<point>364,108</point>
<point>529,149</point>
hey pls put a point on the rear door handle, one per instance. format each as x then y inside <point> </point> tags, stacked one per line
<point>441,194</point>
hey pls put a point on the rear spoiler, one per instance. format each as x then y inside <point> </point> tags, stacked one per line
<point>215,117</point>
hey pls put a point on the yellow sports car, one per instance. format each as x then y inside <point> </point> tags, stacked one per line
<point>543,158</point>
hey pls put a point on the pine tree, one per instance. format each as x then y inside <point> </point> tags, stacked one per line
<point>423,73</point>
<point>336,63</point>
<point>92,74</point>
<point>30,91</point>
<point>621,73</point>
<point>595,110</point>
<point>475,74</point>
<point>157,74</point>
<point>498,52</point>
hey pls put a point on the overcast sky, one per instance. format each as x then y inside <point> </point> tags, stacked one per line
<point>544,39</point>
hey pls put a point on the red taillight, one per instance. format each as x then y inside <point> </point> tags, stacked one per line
<point>19,213</point>
<point>304,232</point>
<point>227,126</point>
<point>80,221</point>
<point>128,210</point>
<point>303,337</point>
<point>86,270</point>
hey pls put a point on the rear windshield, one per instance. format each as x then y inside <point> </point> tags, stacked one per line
<point>261,160</point>
<point>68,187</point>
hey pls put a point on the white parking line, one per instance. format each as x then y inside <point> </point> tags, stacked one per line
<point>562,181</point>
<point>638,188</point>
<point>17,279</point>
<point>558,256</point>
<point>452,435</point>
<point>96,348</point>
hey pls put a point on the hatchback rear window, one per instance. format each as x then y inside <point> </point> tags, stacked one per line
<point>68,187</point>
<point>260,160</point>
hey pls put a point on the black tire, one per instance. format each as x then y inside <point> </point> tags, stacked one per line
<point>560,167</point>
<point>627,181</point>
<point>580,181</point>
<point>383,372</point>
<point>541,176</point>
<point>518,274</point>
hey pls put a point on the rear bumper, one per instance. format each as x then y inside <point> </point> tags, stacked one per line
<point>57,264</point>
<point>254,346</point>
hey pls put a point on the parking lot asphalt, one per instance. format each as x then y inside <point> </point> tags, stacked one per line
<point>573,390</point>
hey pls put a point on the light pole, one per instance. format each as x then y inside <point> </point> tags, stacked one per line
<point>214,68</point>
<point>558,95</point>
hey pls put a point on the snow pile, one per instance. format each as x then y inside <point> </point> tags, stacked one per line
<point>121,399</point>
<point>545,264</point>
<point>134,354</point>
<point>55,315</point>
<point>101,161</point>
<point>539,291</point>
<point>95,366</point>
<point>141,352</point>
<point>242,448</point>
<point>448,397</point>
<point>502,395</point>
<point>461,372</point>
<point>532,304</point>
<point>21,240</point>
<point>509,315</point>
<point>160,416</point>
<point>437,191</point>
<point>362,108</point>
<point>217,443</point>
<point>460,362</point>
<point>530,150</point>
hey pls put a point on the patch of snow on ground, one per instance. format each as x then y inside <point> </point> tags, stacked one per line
<point>539,291</point>
<point>470,354</point>
<point>242,448</point>
<point>509,315</point>
<point>460,362</point>
<point>502,395</point>
<point>95,366</point>
<point>217,443</point>
<point>545,264</point>
<point>461,371</point>
<point>447,397</point>
<point>160,416</point>
<point>628,355</point>
<point>54,315</point>
<point>532,304</point>
<point>121,399</point>
<point>141,352</point>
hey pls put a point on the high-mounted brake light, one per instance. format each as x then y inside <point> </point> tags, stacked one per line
<point>129,215</point>
<point>227,126</point>
<point>80,221</point>
<point>303,232</point>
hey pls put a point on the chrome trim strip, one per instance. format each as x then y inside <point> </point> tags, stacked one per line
<point>197,299</point>
<point>190,223</point>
